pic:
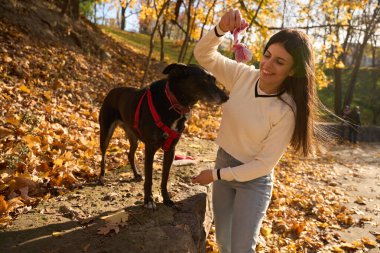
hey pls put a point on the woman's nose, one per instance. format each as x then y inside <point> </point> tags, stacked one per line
<point>268,64</point>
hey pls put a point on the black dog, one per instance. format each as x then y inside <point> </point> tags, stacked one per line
<point>156,115</point>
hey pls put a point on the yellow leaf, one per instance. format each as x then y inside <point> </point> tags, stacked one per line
<point>109,75</point>
<point>24,89</point>
<point>57,234</point>
<point>266,231</point>
<point>3,204</point>
<point>32,141</point>
<point>337,249</point>
<point>368,242</point>
<point>47,95</point>
<point>7,59</point>
<point>58,162</point>
<point>340,65</point>
<point>14,120</point>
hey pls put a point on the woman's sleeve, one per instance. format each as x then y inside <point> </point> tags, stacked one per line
<point>225,70</point>
<point>273,148</point>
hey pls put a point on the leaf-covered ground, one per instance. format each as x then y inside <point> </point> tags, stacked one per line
<point>50,94</point>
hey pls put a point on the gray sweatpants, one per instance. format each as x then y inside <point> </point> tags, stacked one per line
<point>239,208</point>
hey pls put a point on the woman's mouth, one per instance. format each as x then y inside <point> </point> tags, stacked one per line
<point>266,72</point>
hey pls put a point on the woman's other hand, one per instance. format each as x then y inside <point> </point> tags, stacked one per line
<point>204,178</point>
<point>230,20</point>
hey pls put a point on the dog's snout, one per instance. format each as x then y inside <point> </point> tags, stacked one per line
<point>216,95</point>
<point>222,97</point>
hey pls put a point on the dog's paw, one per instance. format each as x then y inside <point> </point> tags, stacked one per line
<point>150,205</point>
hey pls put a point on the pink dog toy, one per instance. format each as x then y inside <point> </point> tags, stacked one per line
<point>242,53</point>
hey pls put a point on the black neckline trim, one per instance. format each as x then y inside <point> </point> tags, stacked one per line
<point>266,96</point>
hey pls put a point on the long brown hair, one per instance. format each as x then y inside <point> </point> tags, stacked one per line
<point>301,86</point>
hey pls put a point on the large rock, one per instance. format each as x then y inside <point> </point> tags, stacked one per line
<point>66,229</point>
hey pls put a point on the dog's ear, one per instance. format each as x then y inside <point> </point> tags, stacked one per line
<point>174,67</point>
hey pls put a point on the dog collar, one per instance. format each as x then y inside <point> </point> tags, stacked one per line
<point>169,134</point>
<point>175,104</point>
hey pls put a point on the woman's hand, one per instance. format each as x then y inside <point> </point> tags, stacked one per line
<point>205,177</point>
<point>230,20</point>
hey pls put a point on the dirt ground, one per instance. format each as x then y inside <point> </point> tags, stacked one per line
<point>71,222</point>
<point>357,171</point>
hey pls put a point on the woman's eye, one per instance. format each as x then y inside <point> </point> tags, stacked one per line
<point>266,55</point>
<point>280,62</point>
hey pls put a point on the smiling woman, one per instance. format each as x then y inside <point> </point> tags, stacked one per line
<point>275,65</point>
<point>268,109</point>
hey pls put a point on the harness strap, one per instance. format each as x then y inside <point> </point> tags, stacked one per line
<point>137,114</point>
<point>171,134</point>
<point>176,105</point>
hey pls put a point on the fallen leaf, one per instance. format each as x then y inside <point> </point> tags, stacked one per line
<point>25,89</point>
<point>368,242</point>
<point>57,234</point>
<point>3,204</point>
<point>361,201</point>
<point>108,228</point>
<point>5,132</point>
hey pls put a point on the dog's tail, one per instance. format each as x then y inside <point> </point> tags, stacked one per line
<point>108,118</point>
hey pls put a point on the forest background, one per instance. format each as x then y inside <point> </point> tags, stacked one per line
<point>345,34</point>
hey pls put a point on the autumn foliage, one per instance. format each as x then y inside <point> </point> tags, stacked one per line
<point>51,97</point>
<point>50,94</point>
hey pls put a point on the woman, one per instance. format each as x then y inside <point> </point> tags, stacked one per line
<point>268,109</point>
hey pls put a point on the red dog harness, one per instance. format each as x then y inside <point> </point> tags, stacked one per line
<point>169,134</point>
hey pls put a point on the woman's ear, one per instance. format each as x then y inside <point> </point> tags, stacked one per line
<point>291,73</point>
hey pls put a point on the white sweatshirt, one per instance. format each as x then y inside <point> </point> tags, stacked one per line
<point>255,129</point>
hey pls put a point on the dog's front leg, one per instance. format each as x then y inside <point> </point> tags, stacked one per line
<point>167,163</point>
<point>148,168</point>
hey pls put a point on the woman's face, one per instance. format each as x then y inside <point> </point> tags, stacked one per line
<point>275,65</point>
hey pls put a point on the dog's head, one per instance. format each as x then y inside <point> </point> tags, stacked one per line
<point>191,83</point>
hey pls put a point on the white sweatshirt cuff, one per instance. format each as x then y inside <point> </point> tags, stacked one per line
<point>219,30</point>
<point>214,175</point>
<point>225,174</point>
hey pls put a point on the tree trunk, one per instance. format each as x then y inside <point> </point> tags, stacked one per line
<point>338,107</point>
<point>189,27</point>
<point>283,15</point>
<point>375,75</point>
<point>367,35</point>
<point>338,91</point>
<point>95,13</point>
<point>123,9</point>
<point>151,43</point>
<point>162,34</point>
<point>203,27</point>
<point>71,9</point>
